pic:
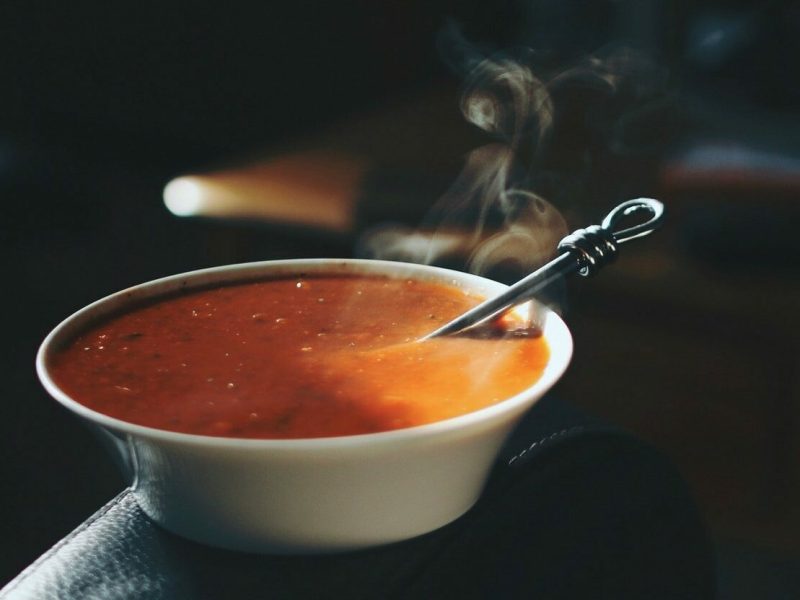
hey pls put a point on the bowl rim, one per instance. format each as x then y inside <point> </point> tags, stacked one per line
<point>237,273</point>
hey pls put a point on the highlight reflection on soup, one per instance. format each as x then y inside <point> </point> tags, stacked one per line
<point>294,358</point>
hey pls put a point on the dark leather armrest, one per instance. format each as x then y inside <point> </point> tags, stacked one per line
<point>573,510</point>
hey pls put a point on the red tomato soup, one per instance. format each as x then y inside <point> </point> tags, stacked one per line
<point>294,358</point>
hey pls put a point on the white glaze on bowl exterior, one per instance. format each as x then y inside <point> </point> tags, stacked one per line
<point>308,495</point>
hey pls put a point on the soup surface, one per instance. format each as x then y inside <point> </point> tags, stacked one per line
<point>294,358</point>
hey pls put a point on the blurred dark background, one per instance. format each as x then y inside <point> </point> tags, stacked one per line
<point>691,341</point>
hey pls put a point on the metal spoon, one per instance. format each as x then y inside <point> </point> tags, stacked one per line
<point>584,251</point>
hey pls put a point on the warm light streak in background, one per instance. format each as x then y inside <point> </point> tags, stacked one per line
<point>309,189</point>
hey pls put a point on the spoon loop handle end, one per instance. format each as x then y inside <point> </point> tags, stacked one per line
<point>598,245</point>
<point>647,206</point>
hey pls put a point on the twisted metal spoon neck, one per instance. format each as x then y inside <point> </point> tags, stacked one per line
<point>592,248</point>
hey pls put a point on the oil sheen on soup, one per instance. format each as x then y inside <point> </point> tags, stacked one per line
<point>294,358</point>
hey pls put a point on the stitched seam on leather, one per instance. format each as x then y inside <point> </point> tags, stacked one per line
<point>569,432</point>
<point>538,444</point>
<point>14,583</point>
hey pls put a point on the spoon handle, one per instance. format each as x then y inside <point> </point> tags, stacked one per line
<point>583,251</point>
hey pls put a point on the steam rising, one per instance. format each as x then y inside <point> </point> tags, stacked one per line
<point>494,216</point>
<point>501,225</point>
<point>503,98</point>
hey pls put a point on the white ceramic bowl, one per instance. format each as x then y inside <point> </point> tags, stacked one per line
<point>307,495</point>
